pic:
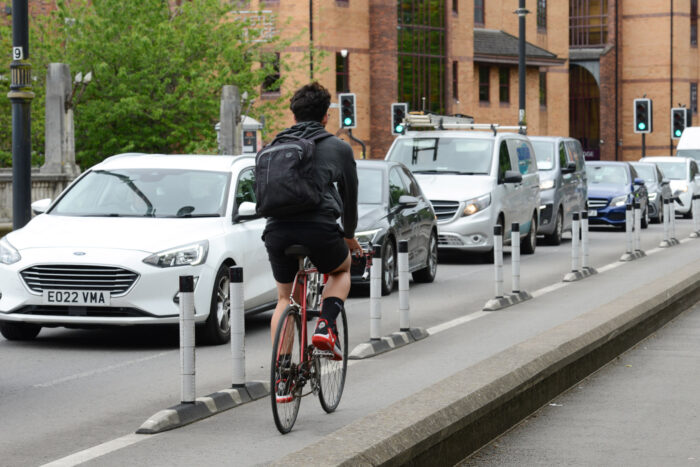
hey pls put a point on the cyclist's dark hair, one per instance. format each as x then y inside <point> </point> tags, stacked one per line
<point>310,102</point>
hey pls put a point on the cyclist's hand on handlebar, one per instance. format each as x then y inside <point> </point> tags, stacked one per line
<point>354,246</point>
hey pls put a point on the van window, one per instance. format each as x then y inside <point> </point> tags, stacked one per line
<point>693,170</point>
<point>689,153</point>
<point>503,161</point>
<point>523,155</point>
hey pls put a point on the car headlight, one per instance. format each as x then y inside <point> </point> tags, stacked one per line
<point>8,253</point>
<point>187,255</point>
<point>475,205</point>
<point>618,201</point>
<point>367,236</point>
<point>681,189</point>
<point>652,196</point>
<point>547,185</point>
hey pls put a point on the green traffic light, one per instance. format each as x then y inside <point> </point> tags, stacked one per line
<point>678,133</point>
<point>347,121</point>
<point>642,126</point>
<point>399,128</point>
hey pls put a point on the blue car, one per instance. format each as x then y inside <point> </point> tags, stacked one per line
<point>611,185</point>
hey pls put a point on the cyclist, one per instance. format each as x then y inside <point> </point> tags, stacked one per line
<point>329,243</point>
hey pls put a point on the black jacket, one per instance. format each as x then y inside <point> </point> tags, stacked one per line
<point>335,166</point>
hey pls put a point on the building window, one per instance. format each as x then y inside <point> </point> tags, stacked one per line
<point>455,80</point>
<point>479,12</point>
<point>588,23</point>
<point>694,97</point>
<point>342,73</point>
<point>694,23</point>
<point>455,6</point>
<point>484,82</point>
<point>543,89</point>
<point>272,80</point>
<point>542,15</point>
<point>504,84</point>
<point>423,67</point>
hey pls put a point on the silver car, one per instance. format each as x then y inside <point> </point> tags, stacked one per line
<point>658,188</point>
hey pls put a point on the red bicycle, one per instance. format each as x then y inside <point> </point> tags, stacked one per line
<point>295,362</point>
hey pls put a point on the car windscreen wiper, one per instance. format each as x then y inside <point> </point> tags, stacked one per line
<point>193,215</point>
<point>452,172</point>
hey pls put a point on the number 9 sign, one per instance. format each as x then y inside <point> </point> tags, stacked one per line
<point>17,53</point>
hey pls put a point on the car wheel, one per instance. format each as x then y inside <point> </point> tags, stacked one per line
<point>660,217</point>
<point>529,243</point>
<point>427,274</point>
<point>645,219</point>
<point>388,266</point>
<point>217,327</point>
<point>19,331</point>
<point>555,237</point>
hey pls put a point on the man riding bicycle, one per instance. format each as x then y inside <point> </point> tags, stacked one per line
<point>329,243</point>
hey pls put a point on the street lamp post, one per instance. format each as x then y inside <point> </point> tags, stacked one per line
<point>21,96</point>
<point>521,12</point>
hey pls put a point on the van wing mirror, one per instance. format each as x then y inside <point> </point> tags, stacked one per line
<point>512,176</point>
<point>570,168</point>
<point>639,181</point>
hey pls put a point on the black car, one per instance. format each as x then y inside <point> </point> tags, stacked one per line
<point>391,208</point>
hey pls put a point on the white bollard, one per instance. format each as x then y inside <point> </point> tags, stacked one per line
<point>575,253</point>
<point>237,322</point>
<point>584,240</point>
<point>404,311</point>
<point>667,215</point>
<point>637,225</point>
<point>187,355</point>
<point>629,219</point>
<point>672,205</point>
<point>515,255</point>
<point>696,215</point>
<point>375,295</point>
<point>498,259</point>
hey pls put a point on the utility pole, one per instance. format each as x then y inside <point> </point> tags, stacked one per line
<point>21,96</point>
<point>521,12</point>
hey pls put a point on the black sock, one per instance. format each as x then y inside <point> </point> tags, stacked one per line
<point>331,309</point>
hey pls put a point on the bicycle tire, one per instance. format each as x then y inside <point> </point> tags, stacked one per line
<point>331,373</point>
<point>289,325</point>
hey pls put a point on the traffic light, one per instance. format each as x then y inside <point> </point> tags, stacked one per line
<point>678,123</point>
<point>642,116</point>
<point>347,110</point>
<point>398,114</point>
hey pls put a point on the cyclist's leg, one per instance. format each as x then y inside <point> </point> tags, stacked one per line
<point>284,290</point>
<point>338,284</point>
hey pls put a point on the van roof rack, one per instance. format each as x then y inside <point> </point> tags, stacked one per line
<point>425,121</point>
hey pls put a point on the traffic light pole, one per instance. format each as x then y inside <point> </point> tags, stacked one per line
<point>644,145</point>
<point>364,155</point>
<point>21,96</point>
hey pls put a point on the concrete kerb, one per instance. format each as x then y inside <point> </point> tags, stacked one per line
<point>499,303</point>
<point>385,344</point>
<point>203,407</point>
<point>453,418</point>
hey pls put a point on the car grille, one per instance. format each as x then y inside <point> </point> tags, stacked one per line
<point>445,210</point>
<point>597,203</point>
<point>449,240</point>
<point>79,277</point>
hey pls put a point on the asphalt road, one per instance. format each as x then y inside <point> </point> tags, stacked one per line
<point>75,390</point>
<point>642,409</point>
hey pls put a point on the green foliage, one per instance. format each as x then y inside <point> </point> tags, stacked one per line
<point>157,73</point>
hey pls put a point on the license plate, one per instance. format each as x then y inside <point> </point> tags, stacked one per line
<point>76,297</point>
<point>592,212</point>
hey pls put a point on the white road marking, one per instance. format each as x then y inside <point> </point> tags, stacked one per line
<point>98,451</point>
<point>101,370</point>
<point>549,288</point>
<point>457,321</point>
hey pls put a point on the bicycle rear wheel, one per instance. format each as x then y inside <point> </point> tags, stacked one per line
<point>285,390</point>
<point>331,373</point>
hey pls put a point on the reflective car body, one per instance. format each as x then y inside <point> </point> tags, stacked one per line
<point>111,248</point>
<point>658,188</point>
<point>611,185</point>
<point>684,177</point>
<point>391,208</point>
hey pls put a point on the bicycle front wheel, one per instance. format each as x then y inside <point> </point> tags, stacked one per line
<point>285,388</point>
<point>331,373</point>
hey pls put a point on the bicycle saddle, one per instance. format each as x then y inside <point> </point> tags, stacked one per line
<point>297,251</point>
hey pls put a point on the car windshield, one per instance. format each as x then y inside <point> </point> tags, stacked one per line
<point>369,189</point>
<point>469,156</point>
<point>690,153</point>
<point>673,170</point>
<point>544,151</point>
<point>146,193</point>
<point>610,174</point>
<point>645,171</point>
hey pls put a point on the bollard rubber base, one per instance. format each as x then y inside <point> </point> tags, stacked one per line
<point>669,243</point>
<point>506,301</point>
<point>580,274</point>
<point>632,256</point>
<point>387,343</point>
<point>184,413</point>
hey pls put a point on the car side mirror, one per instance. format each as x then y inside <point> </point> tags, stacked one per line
<point>639,181</point>
<point>245,211</point>
<point>40,206</point>
<point>512,176</point>
<point>408,201</point>
<point>570,168</point>
<point>665,182</point>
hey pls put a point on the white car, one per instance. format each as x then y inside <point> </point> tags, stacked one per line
<point>684,176</point>
<point>110,249</point>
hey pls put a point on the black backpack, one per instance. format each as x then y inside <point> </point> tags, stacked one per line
<point>285,181</point>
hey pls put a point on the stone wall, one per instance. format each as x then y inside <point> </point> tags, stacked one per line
<point>43,186</point>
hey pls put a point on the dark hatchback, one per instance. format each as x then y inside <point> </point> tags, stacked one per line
<point>392,207</point>
<point>611,185</point>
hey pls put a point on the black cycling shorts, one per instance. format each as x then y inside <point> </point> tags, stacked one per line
<point>324,241</point>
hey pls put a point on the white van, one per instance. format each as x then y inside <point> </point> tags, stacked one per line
<point>689,144</point>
